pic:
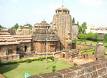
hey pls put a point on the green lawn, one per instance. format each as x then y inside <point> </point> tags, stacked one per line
<point>88,51</point>
<point>35,67</point>
<point>87,42</point>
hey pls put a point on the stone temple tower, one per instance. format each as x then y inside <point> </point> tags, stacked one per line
<point>62,23</point>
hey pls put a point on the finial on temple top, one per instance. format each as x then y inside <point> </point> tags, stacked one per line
<point>62,3</point>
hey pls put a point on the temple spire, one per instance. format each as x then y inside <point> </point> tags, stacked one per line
<point>62,3</point>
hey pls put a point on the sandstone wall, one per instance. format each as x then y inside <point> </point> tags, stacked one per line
<point>97,69</point>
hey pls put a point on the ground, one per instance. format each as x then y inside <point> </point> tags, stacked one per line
<point>35,67</point>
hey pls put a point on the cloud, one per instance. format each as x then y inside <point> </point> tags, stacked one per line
<point>92,2</point>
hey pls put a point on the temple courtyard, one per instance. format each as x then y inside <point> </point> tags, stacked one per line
<point>19,70</point>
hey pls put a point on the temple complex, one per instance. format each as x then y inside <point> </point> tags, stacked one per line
<point>42,37</point>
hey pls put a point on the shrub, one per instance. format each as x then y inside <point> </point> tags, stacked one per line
<point>29,60</point>
<point>41,58</point>
<point>51,58</point>
<point>53,69</point>
<point>26,60</point>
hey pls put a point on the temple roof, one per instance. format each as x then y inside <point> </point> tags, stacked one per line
<point>45,37</point>
<point>6,38</point>
<point>4,32</point>
<point>23,38</point>
<point>43,23</point>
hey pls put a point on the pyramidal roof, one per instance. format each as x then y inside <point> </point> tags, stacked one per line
<point>43,23</point>
<point>6,38</point>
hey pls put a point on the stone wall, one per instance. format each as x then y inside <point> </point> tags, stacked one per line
<point>41,46</point>
<point>97,69</point>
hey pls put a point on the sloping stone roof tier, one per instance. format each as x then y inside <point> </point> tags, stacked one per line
<point>45,37</point>
<point>7,39</point>
<point>42,24</point>
<point>23,38</point>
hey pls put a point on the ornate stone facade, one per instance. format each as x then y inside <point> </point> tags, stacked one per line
<point>42,37</point>
<point>7,46</point>
<point>44,40</point>
<point>62,22</point>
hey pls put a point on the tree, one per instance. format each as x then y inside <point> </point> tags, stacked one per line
<point>1,27</point>
<point>73,20</point>
<point>79,29</point>
<point>77,23</point>
<point>30,26</point>
<point>105,38</point>
<point>91,36</point>
<point>84,27</point>
<point>15,26</point>
<point>82,36</point>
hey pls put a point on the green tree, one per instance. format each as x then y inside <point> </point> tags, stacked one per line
<point>1,27</point>
<point>15,26</point>
<point>90,36</point>
<point>77,23</point>
<point>30,26</point>
<point>84,27</point>
<point>105,38</point>
<point>82,36</point>
<point>73,20</point>
<point>79,29</point>
<point>94,37</point>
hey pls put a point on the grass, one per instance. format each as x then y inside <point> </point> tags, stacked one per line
<point>87,42</point>
<point>88,51</point>
<point>35,67</point>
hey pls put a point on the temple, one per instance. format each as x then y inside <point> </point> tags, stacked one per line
<point>41,38</point>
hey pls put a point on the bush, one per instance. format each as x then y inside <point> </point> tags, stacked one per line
<point>41,58</point>
<point>53,69</point>
<point>90,36</point>
<point>26,60</point>
<point>51,58</point>
<point>87,51</point>
<point>29,60</point>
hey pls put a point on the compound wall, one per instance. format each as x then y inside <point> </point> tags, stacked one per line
<point>97,69</point>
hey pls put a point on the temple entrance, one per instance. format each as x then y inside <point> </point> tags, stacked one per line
<point>63,55</point>
<point>18,50</point>
<point>25,48</point>
<point>21,51</point>
<point>73,45</point>
<point>9,51</point>
<point>52,48</point>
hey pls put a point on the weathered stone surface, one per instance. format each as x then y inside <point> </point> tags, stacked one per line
<point>101,71</point>
<point>94,75</point>
<point>105,76</point>
<point>97,69</point>
<point>87,75</point>
<point>1,76</point>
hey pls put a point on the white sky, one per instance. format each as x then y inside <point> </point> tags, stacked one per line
<point>93,12</point>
